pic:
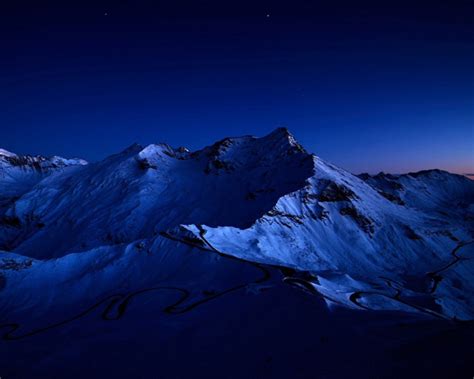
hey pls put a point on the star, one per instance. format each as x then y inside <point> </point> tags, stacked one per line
<point>268,15</point>
<point>106,14</point>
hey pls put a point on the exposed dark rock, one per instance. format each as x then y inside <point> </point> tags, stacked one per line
<point>26,160</point>
<point>364,176</point>
<point>169,153</point>
<point>295,218</point>
<point>144,164</point>
<point>411,234</point>
<point>394,185</point>
<point>217,165</point>
<point>385,176</point>
<point>336,192</point>
<point>393,198</point>
<point>364,222</point>
<point>446,233</point>
<point>11,221</point>
<point>219,147</point>
<point>193,240</point>
<point>310,197</point>
<point>382,181</point>
<point>11,264</point>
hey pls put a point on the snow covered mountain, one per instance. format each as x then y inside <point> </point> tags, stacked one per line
<point>19,173</point>
<point>82,244</point>
<point>367,242</point>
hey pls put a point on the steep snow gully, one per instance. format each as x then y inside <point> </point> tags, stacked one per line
<point>78,237</point>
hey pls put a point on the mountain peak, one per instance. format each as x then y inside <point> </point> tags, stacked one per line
<point>38,162</point>
<point>281,138</point>
<point>281,134</point>
<point>7,153</point>
<point>281,130</point>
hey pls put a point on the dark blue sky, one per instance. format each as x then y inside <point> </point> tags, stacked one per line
<point>368,86</point>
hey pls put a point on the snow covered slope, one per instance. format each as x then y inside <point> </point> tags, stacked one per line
<point>364,249</point>
<point>383,242</point>
<point>19,173</point>
<point>143,191</point>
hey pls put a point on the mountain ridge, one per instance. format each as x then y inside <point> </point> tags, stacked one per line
<point>264,200</point>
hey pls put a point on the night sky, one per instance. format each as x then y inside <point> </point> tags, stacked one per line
<point>370,87</point>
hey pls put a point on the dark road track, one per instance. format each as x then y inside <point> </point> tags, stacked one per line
<point>435,275</point>
<point>116,305</point>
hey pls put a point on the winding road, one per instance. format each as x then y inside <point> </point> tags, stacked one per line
<point>434,276</point>
<point>116,305</point>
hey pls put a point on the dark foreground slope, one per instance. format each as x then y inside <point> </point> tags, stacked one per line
<point>212,316</point>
